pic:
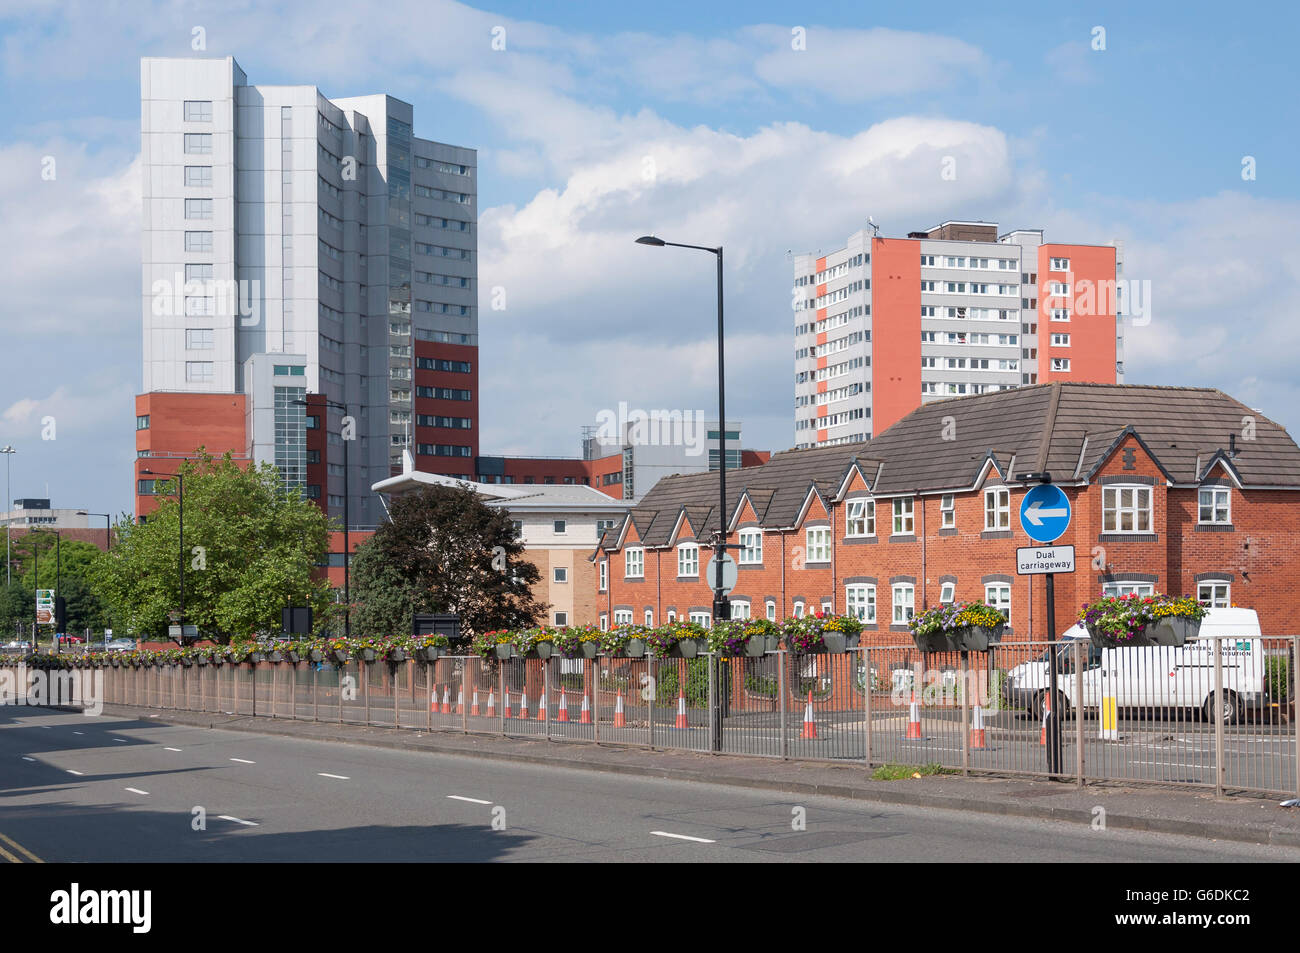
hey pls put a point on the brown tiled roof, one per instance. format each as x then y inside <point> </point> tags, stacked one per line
<point>1065,428</point>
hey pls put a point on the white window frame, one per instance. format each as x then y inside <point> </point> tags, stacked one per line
<point>771,611</point>
<point>997,507</point>
<point>998,595</point>
<point>559,573</point>
<point>751,543</point>
<point>904,516</point>
<point>740,609</point>
<point>798,608</point>
<point>1121,588</point>
<point>604,623</point>
<point>1213,600</point>
<point>1112,500</point>
<point>1060,339</point>
<point>1215,492</point>
<point>1061,365</point>
<point>948,593</point>
<point>638,562</point>
<point>948,511</point>
<point>903,602</point>
<point>818,540</point>
<point>860,518</point>
<point>622,616</point>
<point>860,601</point>
<point>688,560</point>
<point>649,618</point>
<point>604,574</point>
<point>561,618</point>
<point>1059,264</point>
<point>700,618</point>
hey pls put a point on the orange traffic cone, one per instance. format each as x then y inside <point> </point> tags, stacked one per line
<point>585,717</point>
<point>473,704</point>
<point>460,700</point>
<point>913,717</point>
<point>809,721</point>
<point>492,704</point>
<point>681,710</point>
<point>977,730</point>
<point>433,700</point>
<point>505,701</point>
<point>564,707</point>
<point>541,707</point>
<point>1047,712</point>
<point>446,700</point>
<point>523,705</point>
<point>620,719</point>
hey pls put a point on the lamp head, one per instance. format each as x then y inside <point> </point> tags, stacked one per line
<point>650,240</point>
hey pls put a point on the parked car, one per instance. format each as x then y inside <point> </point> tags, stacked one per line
<point>18,645</point>
<point>71,639</point>
<point>119,645</point>
<point>1154,677</point>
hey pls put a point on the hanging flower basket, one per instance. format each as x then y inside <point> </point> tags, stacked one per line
<point>756,647</point>
<point>686,648</point>
<point>255,657</point>
<point>977,638</point>
<point>275,655</point>
<point>397,654</point>
<point>505,651</point>
<point>589,649</point>
<point>293,656</point>
<point>542,649</point>
<point>934,642</point>
<point>1133,620</point>
<point>202,659</point>
<point>316,655</point>
<point>635,648</point>
<point>339,655</point>
<point>366,655</point>
<point>834,643</point>
<point>187,660</point>
<point>429,653</point>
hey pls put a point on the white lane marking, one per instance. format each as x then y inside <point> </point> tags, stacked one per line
<point>136,791</point>
<point>242,761</point>
<point>77,773</point>
<point>472,800</point>
<point>25,758</point>
<point>171,749</point>
<point>227,817</point>
<point>698,840</point>
<point>45,726</point>
<point>78,732</point>
<point>121,740</point>
<point>339,777</point>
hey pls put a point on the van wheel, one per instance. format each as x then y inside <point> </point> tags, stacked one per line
<point>1036,706</point>
<point>1232,711</point>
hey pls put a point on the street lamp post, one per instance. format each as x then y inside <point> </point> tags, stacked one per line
<point>721,604</point>
<point>8,451</point>
<point>180,479</point>
<point>108,527</point>
<point>347,539</point>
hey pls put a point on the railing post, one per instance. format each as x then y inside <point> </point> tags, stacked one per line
<point>1290,686</point>
<point>963,683</point>
<point>315,692</point>
<point>714,745</point>
<point>363,667</point>
<point>464,694</point>
<point>252,677</point>
<point>866,700</point>
<point>501,695</point>
<point>546,693</point>
<point>780,691</point>
<point>1219,710</point>
<point>1079,708</point>
<point>652,694</point>
<point>397,712</point>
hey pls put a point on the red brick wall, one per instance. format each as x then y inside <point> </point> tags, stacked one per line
<point>179,424</point>
<point>1263,543</point>
<point>454,466</point>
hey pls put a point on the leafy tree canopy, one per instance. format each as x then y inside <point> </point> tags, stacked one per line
<point>250,548</point>
<point>444,550</point>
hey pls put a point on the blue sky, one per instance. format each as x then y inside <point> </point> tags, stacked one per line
<point>754,145</point>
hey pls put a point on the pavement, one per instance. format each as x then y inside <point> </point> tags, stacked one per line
<point>1248,820</point>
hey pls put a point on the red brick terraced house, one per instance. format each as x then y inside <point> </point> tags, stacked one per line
<point>1173,489</point>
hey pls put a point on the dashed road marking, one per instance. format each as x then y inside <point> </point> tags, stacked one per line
<point>339,777</point>
<point>136,791</point>
<point>227,817</point>
<point>698,840</point>
<point>242,761</point>
<point>472,800</point>
<point>171,749</point>
<point>77,773</point>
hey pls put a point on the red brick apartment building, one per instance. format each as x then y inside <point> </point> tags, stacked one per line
<point>1173,489</point>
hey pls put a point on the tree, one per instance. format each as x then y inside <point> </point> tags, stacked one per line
<point>444,550</point>
<point>64,565</point>
<point>251,547</point>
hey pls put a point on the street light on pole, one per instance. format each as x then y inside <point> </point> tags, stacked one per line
<point>108,527</point>
<point>721,604</point>
<point>347,498</point>
<point>180,479</point>
<point>8,451</point>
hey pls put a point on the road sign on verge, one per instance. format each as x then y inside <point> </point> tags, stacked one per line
<point>1045,513</point>
<point>730,572</point>
<point>44,606</point>
<point>1038,560</point>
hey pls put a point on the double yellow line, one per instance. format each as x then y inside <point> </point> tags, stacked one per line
<point>14,858</point>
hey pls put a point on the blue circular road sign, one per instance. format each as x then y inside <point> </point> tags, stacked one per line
<point>1045,513</point>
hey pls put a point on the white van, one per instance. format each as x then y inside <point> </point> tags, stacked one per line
<point>1157,676</point>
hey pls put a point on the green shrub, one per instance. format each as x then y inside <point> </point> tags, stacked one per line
<point>697,683</point>
<point>1277,677</point>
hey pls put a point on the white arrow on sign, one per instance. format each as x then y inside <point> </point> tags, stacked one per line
<point>1035,513</point>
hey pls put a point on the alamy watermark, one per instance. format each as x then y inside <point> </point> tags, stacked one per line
<point>653,428</point>
<point>82,688</point>
<point>207,297</point>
